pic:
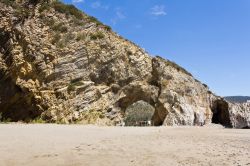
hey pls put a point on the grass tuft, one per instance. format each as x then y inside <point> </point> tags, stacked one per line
<point>97,35</point>
<point>67,9</point>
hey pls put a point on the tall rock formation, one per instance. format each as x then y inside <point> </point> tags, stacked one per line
<point>240,115</point>
<point>61,65</point>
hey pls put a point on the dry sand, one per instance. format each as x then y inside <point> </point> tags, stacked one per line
<point>73,145</point>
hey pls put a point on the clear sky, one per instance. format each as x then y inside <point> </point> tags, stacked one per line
<point>210,38</point>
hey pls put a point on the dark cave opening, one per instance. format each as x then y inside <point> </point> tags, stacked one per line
<point>15,104</point>
<point>221,115</point>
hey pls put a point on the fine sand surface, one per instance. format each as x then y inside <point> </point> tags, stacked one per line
<point>73,145</point>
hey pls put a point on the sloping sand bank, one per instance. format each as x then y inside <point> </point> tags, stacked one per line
<point>75,145</point>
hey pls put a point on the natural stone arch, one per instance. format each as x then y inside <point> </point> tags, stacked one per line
<point>138,91</point>
<point>137,112</point>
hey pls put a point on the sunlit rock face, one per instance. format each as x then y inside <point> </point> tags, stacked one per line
<point>240,115</point>
<point>61,65</point>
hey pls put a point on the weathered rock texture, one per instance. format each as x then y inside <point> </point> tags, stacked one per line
<point>240,115</point>
<point>62,66</point>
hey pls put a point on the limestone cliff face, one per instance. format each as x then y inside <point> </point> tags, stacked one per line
<point>65,66</point>
<point>240,115</point>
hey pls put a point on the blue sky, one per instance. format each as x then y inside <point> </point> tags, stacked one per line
<point>210,38</point>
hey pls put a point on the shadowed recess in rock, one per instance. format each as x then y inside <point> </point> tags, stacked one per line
<point>221,113</point>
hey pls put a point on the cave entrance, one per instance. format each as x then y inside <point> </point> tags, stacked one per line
<point>221,115</point>
<point>138,105</point>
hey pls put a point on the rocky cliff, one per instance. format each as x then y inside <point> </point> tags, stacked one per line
<point>240,115</point>
<point>61,65</point>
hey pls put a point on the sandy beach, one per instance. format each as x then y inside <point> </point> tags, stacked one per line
<point>77,145</point>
